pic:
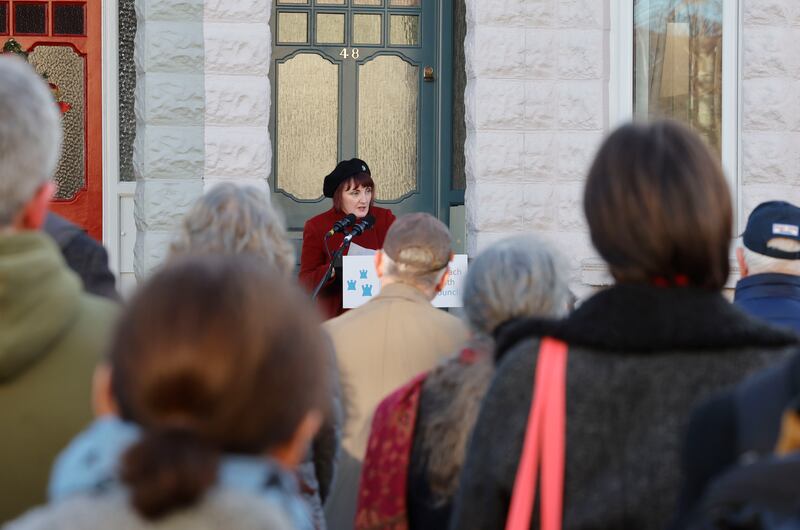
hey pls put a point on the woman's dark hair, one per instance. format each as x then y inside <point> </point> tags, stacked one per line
<point>216,354</point>
<point>359,179</point>
<point>658,207</point>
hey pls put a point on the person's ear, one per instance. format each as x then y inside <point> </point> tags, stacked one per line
<point>292,453</point>
<point>34,212</point>
<point>103,402</point>
<point>445,276</point>
<point>744,271</point>
<point>379,263</point>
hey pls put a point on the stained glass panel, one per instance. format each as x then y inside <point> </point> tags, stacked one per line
<point>404,30</point>
<point>3,17</point>
<point>68,19</point>
<point>330,28</point>
<point>307,124</point>
<point>66,70</point>
<point>367,29</point>
<point>388,93</point>
<point>30,19</point>
<point>293,28</point>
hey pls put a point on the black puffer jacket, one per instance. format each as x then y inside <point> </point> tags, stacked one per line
<point>640,358</point>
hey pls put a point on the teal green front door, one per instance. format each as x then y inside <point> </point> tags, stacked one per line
<point>360,78</point>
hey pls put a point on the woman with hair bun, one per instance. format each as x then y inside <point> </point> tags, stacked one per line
<point>210,397</point>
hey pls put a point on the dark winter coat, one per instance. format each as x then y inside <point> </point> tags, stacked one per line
<point>735,426</point>
<point>640,358</point>
<point>83,255</point>
<point>772,297</point>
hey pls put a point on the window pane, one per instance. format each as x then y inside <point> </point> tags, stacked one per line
<point>330,28</point>
<point>293,27</point>
<point>388,91</point>
<point>3,17</point>
<point>30,19</point>
<point>367,29</point>
<point>404,30</point>
<point>404,3</point>
<point>307,124</point>
<point>368,2</point>
<point>68,19</point>
<point>65,72</point>
<point>330,2</point>
<point>301,2</point>
<point>678,63</point>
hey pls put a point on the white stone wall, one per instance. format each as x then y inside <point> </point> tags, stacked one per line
<point>770,102</point>
<point>536,111</point>
<point>202,109</point>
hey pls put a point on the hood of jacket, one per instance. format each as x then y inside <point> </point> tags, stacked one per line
<point>39,299</point>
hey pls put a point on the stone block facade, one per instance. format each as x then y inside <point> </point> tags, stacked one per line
<point>536,109</point>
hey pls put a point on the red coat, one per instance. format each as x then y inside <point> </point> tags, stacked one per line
<point>314,260</point>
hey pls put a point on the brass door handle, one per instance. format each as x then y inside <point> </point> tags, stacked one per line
<point>427,74</point>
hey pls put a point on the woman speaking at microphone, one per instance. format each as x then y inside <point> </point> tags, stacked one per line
<point>352,189</point>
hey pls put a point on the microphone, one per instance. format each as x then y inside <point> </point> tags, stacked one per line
<point>363,225</point>
<point>342,224</point>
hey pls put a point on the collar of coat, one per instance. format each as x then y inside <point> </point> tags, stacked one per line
<point>642,319</point>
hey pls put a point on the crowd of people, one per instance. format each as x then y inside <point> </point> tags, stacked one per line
<point>221,396</point>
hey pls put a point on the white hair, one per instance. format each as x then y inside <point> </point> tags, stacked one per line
<point>30,135</point>
<point>403,273</point>
<point>232,219</point>
<point>518,277</point>
<point>760,264</point>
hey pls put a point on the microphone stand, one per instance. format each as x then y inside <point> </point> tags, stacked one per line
<point>328,273</point>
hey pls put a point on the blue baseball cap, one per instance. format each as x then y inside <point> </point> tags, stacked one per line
<point>768,221</point>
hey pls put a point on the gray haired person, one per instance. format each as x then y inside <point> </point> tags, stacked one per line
<point>232,219</point>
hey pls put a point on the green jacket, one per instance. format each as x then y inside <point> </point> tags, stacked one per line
<point>51,336</point>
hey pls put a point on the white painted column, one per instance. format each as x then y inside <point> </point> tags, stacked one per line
<point>238,47</point>
<point>536,111</point>
<point>170,107</point>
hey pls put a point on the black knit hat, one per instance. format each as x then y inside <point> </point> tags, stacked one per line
<point>343,171</point>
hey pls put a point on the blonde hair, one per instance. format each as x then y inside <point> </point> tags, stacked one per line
<point>232,219</point>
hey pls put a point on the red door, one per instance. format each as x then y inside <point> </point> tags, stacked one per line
<point>62,39</point>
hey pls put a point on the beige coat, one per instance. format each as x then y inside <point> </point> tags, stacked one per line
<point>379,347</point>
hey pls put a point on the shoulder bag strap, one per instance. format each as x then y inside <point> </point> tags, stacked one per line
<point>544,442</point>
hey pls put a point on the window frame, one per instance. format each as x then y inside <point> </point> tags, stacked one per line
<point>621,80</point>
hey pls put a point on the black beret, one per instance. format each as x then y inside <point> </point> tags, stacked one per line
<point>343,171</point>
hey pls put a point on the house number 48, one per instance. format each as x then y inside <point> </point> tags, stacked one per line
<point>353,53</point>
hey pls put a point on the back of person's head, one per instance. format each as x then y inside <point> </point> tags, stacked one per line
<point>30,135</point>
<point>215,354</point>
<point>658,207</point>
<point>417,250</point>
<point>232,219</point>
<point>519,277</point>
<point>771,239</point>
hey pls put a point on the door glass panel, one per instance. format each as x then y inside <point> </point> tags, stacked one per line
<point>307,124</point>
<point>367,29</point>
<point>367,2</point>
<point>330,2</point>
<point>295,2</point>
<point>68,19</point>
<point>678,64</point>
<point>330,28</point>
<point>404,30</point>
<point>388,91</point>
<point>65,72</point>
<point>404,3</point>
<point>293,27</point>
<point>30,19</point>
<point>3,17</point>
